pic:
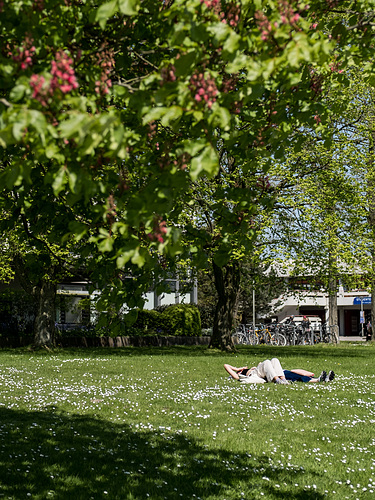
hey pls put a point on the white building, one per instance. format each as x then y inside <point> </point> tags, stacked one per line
<point>69,312</point>
<point>350,303</point>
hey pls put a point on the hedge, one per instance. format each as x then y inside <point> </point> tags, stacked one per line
<point>177,319</point>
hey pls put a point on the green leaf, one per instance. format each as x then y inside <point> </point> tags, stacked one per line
<point>193,147</point>
<point>72,177</point>
<point>78,229</point>
<point>129,7</point>
<point>184,64</point>
<point>12,176</point>
<point>220,117</point>
<point>154,114</point>
<point>19,128</point>
<point>124,258</point>
<point>207,162</point>
<point>59,181</point>
<point>222,256</point>
<point>106,245</point>
<point>220,31</point>
<point>17,93</point>
<point>173,113</point>
<point>53,151</point>
<point>106,242</point>
<point>37,120</point>
<point>232,43</point>
<point>73,125</point>
<point>138,259</point>
<point>106,11</point>
<point>6,136</point>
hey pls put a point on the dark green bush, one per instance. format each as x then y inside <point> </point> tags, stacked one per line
<point>174,320</point>
<point>177,319</point>
<point>16,314</point>
<point>182,319</point>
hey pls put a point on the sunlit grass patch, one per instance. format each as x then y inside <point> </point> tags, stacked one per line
<point>169,423</point>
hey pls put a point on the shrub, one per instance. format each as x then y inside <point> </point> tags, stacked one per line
<point>182,319</point>
<point>148,321</point>
<point>16,313</point>
<point>177,319</point>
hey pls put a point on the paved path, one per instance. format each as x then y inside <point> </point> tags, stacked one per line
<point>357,338</point>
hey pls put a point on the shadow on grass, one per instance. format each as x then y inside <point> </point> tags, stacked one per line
<point>54,455</point>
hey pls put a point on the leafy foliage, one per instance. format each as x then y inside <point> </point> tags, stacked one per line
<point>111,113</point>
<point>178,319</point>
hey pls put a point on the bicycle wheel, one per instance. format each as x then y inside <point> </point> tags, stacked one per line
<point>253,339</point>
<point>239,337</point>
<point>273,339</point>
<point>281,339</point>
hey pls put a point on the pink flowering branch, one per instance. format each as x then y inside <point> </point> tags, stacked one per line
<point>63,76</point>
<point>106,62</point>
<point>63,79</point>
<point>203,88</point>
<point>159,230</point>
<point>23,55</point>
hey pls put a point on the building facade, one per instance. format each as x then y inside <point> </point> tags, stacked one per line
<point>353,307</point>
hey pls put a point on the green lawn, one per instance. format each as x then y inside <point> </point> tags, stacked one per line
<point>168,423</point>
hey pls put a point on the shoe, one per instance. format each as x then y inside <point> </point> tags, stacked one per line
<point>330,376</point>
<point>282,381</point>
<point>323,377</point>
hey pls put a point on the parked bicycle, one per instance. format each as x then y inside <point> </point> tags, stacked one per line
<point>284,334</point>
<point>330,334</point>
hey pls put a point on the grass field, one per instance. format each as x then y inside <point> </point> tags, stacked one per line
<point>168,423</point>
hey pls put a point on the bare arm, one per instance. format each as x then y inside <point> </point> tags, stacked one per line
<point>233,371</point>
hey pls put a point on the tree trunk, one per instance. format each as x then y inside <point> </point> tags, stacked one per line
<point>332,308</point>
<point>44,325</point>
<point>227,284</point>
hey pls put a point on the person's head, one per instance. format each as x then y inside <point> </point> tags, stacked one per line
<point>305,318</point>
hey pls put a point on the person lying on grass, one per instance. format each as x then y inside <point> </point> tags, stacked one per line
<point>272,371</point>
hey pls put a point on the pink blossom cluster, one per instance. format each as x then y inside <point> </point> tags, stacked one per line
<point>211,4</point>
<point>152,129</point>
<point>288,15</point>
<point>63,79</point>
<point>168,74</point>
<point>232,15</point>
<point>159,230</point>
<point>264,24</point>
<point>106,61</point>
<point>23,55</point>
<point>203,88</point>
<point>41,90</point>
<point>335,67</point>
<point>38,5</point>
<point>317,119</point>
<point>332,3</point>
<point>181,162</point>
<point>63,76</point>
<point>229,83</point>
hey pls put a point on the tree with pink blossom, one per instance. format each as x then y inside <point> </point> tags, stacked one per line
<point>117,108</point>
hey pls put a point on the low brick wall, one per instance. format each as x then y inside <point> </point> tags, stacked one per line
<point>157,341</point>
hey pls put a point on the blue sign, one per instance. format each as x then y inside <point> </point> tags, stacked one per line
<point>363,300</point>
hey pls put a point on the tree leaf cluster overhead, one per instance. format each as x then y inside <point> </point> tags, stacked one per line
<point>111,110</point>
